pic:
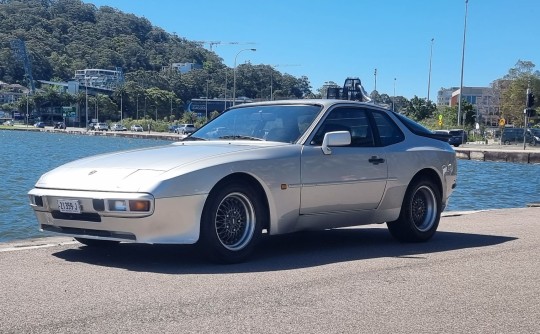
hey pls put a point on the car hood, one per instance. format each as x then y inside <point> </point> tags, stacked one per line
<point>136,169</point>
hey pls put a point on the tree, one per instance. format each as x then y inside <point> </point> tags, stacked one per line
<point>322,92</point>
<point>513,95</point>
<point>418,109</point>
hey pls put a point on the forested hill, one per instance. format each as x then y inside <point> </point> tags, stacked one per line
<point>66,35</point>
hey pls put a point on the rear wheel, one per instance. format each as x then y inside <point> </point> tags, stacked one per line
<point>231,222</point>
<point>97,243</point>
<point>420,213</point>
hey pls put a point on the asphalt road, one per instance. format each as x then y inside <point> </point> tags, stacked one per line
<point>480,274</point>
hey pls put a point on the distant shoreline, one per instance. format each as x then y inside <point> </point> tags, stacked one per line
<point>470,151</point>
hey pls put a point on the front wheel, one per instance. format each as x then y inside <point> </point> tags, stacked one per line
<point>420,213</point>
<point>232,222</point>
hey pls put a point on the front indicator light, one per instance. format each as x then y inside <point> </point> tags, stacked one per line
<point>139,205</point>
<point>117,205</point>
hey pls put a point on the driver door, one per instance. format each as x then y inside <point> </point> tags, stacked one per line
<point>351,177</point>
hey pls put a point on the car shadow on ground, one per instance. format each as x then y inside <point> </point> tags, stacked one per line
<point>285,252</point>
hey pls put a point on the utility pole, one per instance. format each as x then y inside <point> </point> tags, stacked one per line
<point>375,80</point>
<point>429,76</point>
<point>528,111</point>
<point>462,63</point>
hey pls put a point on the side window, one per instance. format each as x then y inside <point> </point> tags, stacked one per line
<point>354,120</point>
<point>389,132</point>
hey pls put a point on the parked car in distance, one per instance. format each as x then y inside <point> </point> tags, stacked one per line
<point>172,128</point>
<point>273,167</point>
<point>185,129</point>
<point>9,123</point>
<point>39,125</point>
<point>136,128</point>
<point>101,127</point>
<point>459,137</point>
<point>515,136</point>
<point>60,125</point>
<point>535,136</point>
<point>118,127</point>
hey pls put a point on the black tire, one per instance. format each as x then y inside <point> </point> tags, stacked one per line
<point>231,223</point>
<point>97,243</point>
<point>420,213</point>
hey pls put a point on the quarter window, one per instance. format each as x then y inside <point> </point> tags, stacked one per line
<point>389,133</point>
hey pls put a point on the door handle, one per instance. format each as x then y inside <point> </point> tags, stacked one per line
<point>376,160</point>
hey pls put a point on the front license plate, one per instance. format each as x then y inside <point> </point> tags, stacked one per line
<point>69,206</point>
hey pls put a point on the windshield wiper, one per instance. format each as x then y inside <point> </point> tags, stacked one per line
<point>192,138</point>
<point>240,137</point>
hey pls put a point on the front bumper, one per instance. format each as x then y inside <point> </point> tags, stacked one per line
<point>174,220</point>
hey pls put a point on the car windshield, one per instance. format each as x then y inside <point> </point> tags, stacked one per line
<point>282,123</point>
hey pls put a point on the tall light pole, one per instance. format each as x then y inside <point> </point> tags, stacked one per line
<point>375,74</point>
<point>86,87</point>
<point>429,76</point>
<point>462,64</point>
<point>271,86</point>
<point>225,91</point>
<point>234,74</point>
<point>27,109</point>
<point>206,108</point>
<point>137,106</point>
<point>394,99</point>
<point>121,108</point>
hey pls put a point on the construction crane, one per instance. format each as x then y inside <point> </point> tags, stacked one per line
<point>212,43</point>
<point>284,65</point>
<point>19,49</point>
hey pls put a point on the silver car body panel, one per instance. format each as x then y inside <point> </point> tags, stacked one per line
<point>304,188</point>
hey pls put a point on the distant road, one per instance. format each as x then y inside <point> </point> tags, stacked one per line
<point>480,274</point>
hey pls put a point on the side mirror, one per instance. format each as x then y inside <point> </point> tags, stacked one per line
<point>336,138</point>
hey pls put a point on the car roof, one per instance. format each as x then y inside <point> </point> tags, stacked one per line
<point>320,102</point>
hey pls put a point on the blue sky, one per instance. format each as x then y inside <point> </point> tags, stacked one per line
<point>330,40</point>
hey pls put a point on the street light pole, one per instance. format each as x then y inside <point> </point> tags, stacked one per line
<point>394,100</point>
<point>225,91</point>
<point>234,74</point>
<point>206,108</point>
<point>271,86</point>
<point>27,109</point>
<point>86,87</point>
<point>137,106</point>
<point>429,76</point>
<point>462,63</point>
<point>375,74</point>
<point>121,108</point>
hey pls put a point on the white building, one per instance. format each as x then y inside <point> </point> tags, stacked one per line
<point>485,101</point>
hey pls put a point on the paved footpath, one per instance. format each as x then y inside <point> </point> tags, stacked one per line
<point>480,274</point>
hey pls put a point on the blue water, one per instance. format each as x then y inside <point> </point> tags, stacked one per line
<point>24,156</point>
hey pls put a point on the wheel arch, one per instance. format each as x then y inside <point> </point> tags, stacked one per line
<point>251,181</point>
<point>430,174</point>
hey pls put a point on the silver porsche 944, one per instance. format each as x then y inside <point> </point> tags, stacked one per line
<point>260,168</point>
